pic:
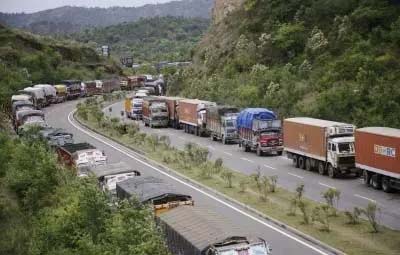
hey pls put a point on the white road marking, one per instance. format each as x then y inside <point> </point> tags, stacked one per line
<point>197,189</point>
<point>182,138</point>
<point>326,185</point>
<point>366,198</point>
<point>295,175</point>
<point>211,147</point>
<point>227,153</point>
<point>270,167</point>
<point>248,160</point>
<point>282,157</point>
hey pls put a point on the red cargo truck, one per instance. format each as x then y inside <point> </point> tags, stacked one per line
<point>377,155</point>
<point>323,145</point>
<point>173,104</point>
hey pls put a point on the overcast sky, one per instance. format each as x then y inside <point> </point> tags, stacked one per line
<point>39,5</point>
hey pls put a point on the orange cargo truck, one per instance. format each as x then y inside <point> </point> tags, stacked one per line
<point>377,155</point>
<point>193,115</point>
<point>322,145</point>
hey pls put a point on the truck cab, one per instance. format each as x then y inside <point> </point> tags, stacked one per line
<point>137,104</point>
<point>229,131</point>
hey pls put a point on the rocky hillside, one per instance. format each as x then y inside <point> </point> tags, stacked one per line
<point>72,19</point>
<point>332,59</point>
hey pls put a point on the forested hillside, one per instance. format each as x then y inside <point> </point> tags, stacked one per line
<point>153,39</point>
<point>333,59</point>
<point>27,59</point>
<point>70,19</point>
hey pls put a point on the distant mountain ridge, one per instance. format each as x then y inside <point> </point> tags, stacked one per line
<point>70,19</point>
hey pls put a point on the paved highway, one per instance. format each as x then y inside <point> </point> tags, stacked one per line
<point>353,192</point>
<point>282,242</point>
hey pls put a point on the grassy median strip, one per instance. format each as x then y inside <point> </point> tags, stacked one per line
<point>344,231</point>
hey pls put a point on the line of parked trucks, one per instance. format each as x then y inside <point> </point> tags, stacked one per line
<point>327,147</point>
<point>189,230</point>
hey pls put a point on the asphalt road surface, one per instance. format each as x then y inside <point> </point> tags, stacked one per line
<point>353,192</point>
<point>282,241</point>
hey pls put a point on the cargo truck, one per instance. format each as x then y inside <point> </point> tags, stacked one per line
<point>193,115</point>
<point>56,136</point>
<point>61,93</point>
<point>259,130</point>
<point>154,191</point>
<point>21,97</point>
<point>80,156</point>
<point>20,106</point>
<point>377,156</point>
<point>155,112</point>
<point>322,145</point>
<point>109,175</point>
<point>29,117</point>
<point>38,96</point>
<point>173,104</point>
<point>49,92</point>
<point>133,108</point>
<point>199,231</point>
<point>73,88</point>
<point>221,123</point>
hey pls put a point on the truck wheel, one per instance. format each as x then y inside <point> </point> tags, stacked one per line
<point>259,152</point>
<point>376,181</point>
<point>366,178</point>
<point>386,185</point>
<point>321,168</point>
<point>295,161</point>
<point>331,171</point>
<point>302,164</point>
<point>279,153</point>
<point>308,164</point>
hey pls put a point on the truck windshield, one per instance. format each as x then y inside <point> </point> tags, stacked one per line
<point>230,124</point>
<point>137,105</point>
<point>346,147</point>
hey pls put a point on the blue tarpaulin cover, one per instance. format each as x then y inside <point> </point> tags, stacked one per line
<point>246,117</point>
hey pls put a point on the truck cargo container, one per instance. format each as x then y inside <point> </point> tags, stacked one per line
<point>155,112</point>
<point>61,93</point>
<point>80,156</point>
<point>173,104</point>
<point>378,157</point>
<point>109,86</point>
<point>154,191</point>
<point>73,88</point>
<point>221,123</point>
<point>21,97</point>
<point>20,106</point>
<point>259,130</point>
<point>199,231</point>
<point>193,115</point>
<point>38,96</point>
<point>132,82</point>
<point>92,88</point>
<point>322,145</point>
<point>111,174</point>
<point>49,92</point>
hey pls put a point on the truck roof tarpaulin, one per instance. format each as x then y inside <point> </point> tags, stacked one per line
<point>247,116</point>
<point>220,110</point>
<point>112,169</point>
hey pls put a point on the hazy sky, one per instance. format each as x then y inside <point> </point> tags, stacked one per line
<point>39,5</point>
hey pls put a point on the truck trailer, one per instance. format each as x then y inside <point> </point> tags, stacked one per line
<point>81,156</point>
<point>155,112</point>
<point>49,93</point>
<point>154,191</point>
<point>38,96</point>
<point>193,115</point>
<point>73,88</point>
<point>199,231</point>
<point>61,93</point>
<point>377,156</point>
<point>322,145</point>
<point>221,123</point>
<point>56,136</point>
<point>173,104</point>
<point>259,130</point>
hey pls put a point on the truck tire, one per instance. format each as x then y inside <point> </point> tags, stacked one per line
<point>331,171</point>
<point>321,168</point>
<point>295,161</point>
<point>302,163</point>
<point>259,152</point>
<point>366,178</point>
<point>376,181</point>
<point>308,164</point>
<point>279,153</point>
<point>386,185</point>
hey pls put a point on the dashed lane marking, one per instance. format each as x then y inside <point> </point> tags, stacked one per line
<point>270,167</point>
<point>366,198</point>
<point>326,185</point>
<point>248,160</point>
<point>227,153</point>
<point>295,175</point>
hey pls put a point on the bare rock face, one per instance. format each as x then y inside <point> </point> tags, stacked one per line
<point>222,8</point>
